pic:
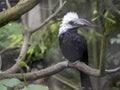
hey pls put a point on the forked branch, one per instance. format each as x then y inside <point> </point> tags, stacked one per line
<point>57,68</point>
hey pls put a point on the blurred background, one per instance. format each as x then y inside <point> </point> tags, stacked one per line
<point>44,46</point>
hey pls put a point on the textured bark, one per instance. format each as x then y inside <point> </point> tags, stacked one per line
<point>15,12</point>
<point>57,68</point>
<point>22,54</point>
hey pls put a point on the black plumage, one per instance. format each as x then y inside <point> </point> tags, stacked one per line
<point>74,46</point>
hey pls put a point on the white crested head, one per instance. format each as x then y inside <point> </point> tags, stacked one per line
<point>70,21</point>
<point>70,16</point>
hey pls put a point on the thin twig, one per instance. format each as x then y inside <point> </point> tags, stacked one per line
<point>8,3</point>
<point>49,18</point>
<point>9,49</point>
<point>108,71</point>
<point>23,52</point>
<point>25,81</point>
<point>0,61</point>
<point>65,81</point>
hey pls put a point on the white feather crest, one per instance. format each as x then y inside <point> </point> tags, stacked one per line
<point>70,16</point>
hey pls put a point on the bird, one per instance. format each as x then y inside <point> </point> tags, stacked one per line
<point>73,45</point>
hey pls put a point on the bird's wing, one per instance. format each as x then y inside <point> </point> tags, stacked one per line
<point>79,41</point>
<point>81,46</point>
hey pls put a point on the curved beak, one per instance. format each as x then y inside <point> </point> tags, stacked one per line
<point>83,22</point>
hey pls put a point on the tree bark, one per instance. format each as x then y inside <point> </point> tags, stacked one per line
<point>15,12</point>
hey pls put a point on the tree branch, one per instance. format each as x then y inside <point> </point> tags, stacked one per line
<point>27,33</point>
<point>109,71</point>
<point>9,49</point>
<point>5,50</point>
<point>24,48</point>
<point>38,74</point>
<point>0,61</point>
<point>85,68</point>
<point>57,68</point>
<point>8,4</point>
<point>49,18</point>
<point>15,12</point>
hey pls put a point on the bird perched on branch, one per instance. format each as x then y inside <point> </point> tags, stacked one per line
<point>73,45</point>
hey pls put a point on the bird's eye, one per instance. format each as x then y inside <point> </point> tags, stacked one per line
<point>71,23</point>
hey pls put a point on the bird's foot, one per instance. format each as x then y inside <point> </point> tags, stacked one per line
<point>69,63</point>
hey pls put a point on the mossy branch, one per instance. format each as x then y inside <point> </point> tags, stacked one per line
<point>15,12</point>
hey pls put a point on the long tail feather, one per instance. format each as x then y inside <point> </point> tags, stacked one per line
<point>85,81</point>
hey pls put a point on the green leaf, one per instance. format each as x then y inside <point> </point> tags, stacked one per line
<point>10,82</point>
<point>24,64</point>
<point>111,20</point>
<point>35,87</point>
<point>95,18</point>
<point>13,28</point>
<point>3,87</point>
<point>94,11</point>
<point>106,13</point>
<point>31,50</point>
<point>42,47</point>
<point>16,39</point>
<point>53,27</point>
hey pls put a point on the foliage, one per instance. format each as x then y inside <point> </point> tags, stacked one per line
<point>91,35</point>
<point>15,40</point>
<point>35,87</point>
<point>42,40</point>
<point>24,64</point>
<point>10,34</point>
<point>12,83</point>
<point>9,83</point>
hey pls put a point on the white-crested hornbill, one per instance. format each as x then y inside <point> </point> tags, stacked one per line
<point>74,45</point>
